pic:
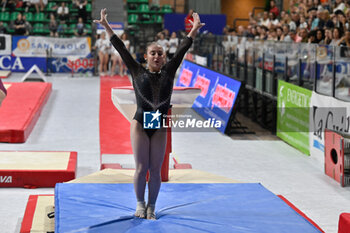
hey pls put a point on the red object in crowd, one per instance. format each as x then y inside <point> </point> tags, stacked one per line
<point>275,11</point>
<point>188,23</point>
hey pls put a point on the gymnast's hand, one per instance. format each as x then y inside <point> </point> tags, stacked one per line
<point>197,21</point>
<point>103,21</point>
<point>196,25</point>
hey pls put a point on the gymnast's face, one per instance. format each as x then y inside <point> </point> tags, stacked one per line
<point>155,57</point>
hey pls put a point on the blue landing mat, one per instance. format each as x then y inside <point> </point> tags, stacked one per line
<point>181,208</point>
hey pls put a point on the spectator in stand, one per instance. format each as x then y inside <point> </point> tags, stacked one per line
<point>337,35</point>
<point>295,22</point>
<point>282,15</point>
<point>36,4</point>
<point>81,6</point>
<point>265,21</point>
<point>103,46</point>
<point>173,43</point>
<point>53,26</point>
<point>318,21</point>
<point>11,4</point>
<point>327,37</point>
<point>312,37</point>
<point>325,5</point>
<point>279,32</point>
<point>319,36</point>
<point>19,25</point>
<point>240,31</point>
<point>312,13</point>
<point>80,28</point>
<point>339,5</point>
<point>42,4</point>
<point>294,36</point>
<point>274,9</point>
<point>345,40</point>
<point>62,27</point>
<point>327,18</point>
<point>343,22</point>
<point>258,31</point>
<point>263,33</point>
<point>189,21</point>
<point>63,12</point>
<point>303,23</point>
<point>3,29</point>
<point>273,20</point>
<point>285,20</point>
<point>28,26</point>
<point>303,34</point>
<point>272,35</point>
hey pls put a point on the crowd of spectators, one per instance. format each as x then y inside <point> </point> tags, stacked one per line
<point>307,21</point>
<point>57,17</point>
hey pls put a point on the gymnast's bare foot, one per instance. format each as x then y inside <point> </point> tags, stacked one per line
<point>151,215</point>
<point>140,209</point>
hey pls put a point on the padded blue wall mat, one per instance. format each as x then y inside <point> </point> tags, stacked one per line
<point>108,208</point>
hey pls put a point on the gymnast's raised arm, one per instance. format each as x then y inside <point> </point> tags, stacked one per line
<point>118,43</point>
<point>186,43</point>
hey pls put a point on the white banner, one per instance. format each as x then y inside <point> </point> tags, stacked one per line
<point>36,46</point>
<point>5,44</point>
<point>326,112</point>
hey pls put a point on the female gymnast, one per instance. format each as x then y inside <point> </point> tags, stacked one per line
<point>153,88</point>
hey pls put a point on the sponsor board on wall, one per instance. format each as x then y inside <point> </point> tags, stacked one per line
<point>218,92</point>
<point>37,46</point>
<point>117,27</point>
<point>326,112</point>
<point>21,64</point>
<point>69,64</point>
<point>5,44</point>
<point>293,110</point>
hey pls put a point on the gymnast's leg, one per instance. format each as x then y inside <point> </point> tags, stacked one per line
<point>157,151</point>
<point>140,145</point>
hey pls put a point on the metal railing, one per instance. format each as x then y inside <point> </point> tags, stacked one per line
<point>260,64</point>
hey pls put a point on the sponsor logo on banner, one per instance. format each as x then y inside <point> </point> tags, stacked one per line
<point>36,46</point>
<point>223,98</point>
<point>79,65</point>
<point>5,44</point>
<point>117,27</point>
<point>326,113</point>
<point>218,92</point>
<point>186,77</point>
<point>5,179</point>
<point>293,115</point>
<point>21,64</point>
<point>202,83</point>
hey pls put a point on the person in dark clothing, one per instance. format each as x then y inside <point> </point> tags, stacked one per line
<point>20,25</point>
<point>153,88</point>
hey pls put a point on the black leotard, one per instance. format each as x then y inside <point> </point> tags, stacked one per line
<point>153,90</point>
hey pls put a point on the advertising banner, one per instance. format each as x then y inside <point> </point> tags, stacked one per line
<point>293,115</point>
<point>218,92</point>
<point>117,27</point>
<point>5,44</point>
<point>326,112</point>
<point>21,64</point>
<point>72,64</point>
<point>37,46</point>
